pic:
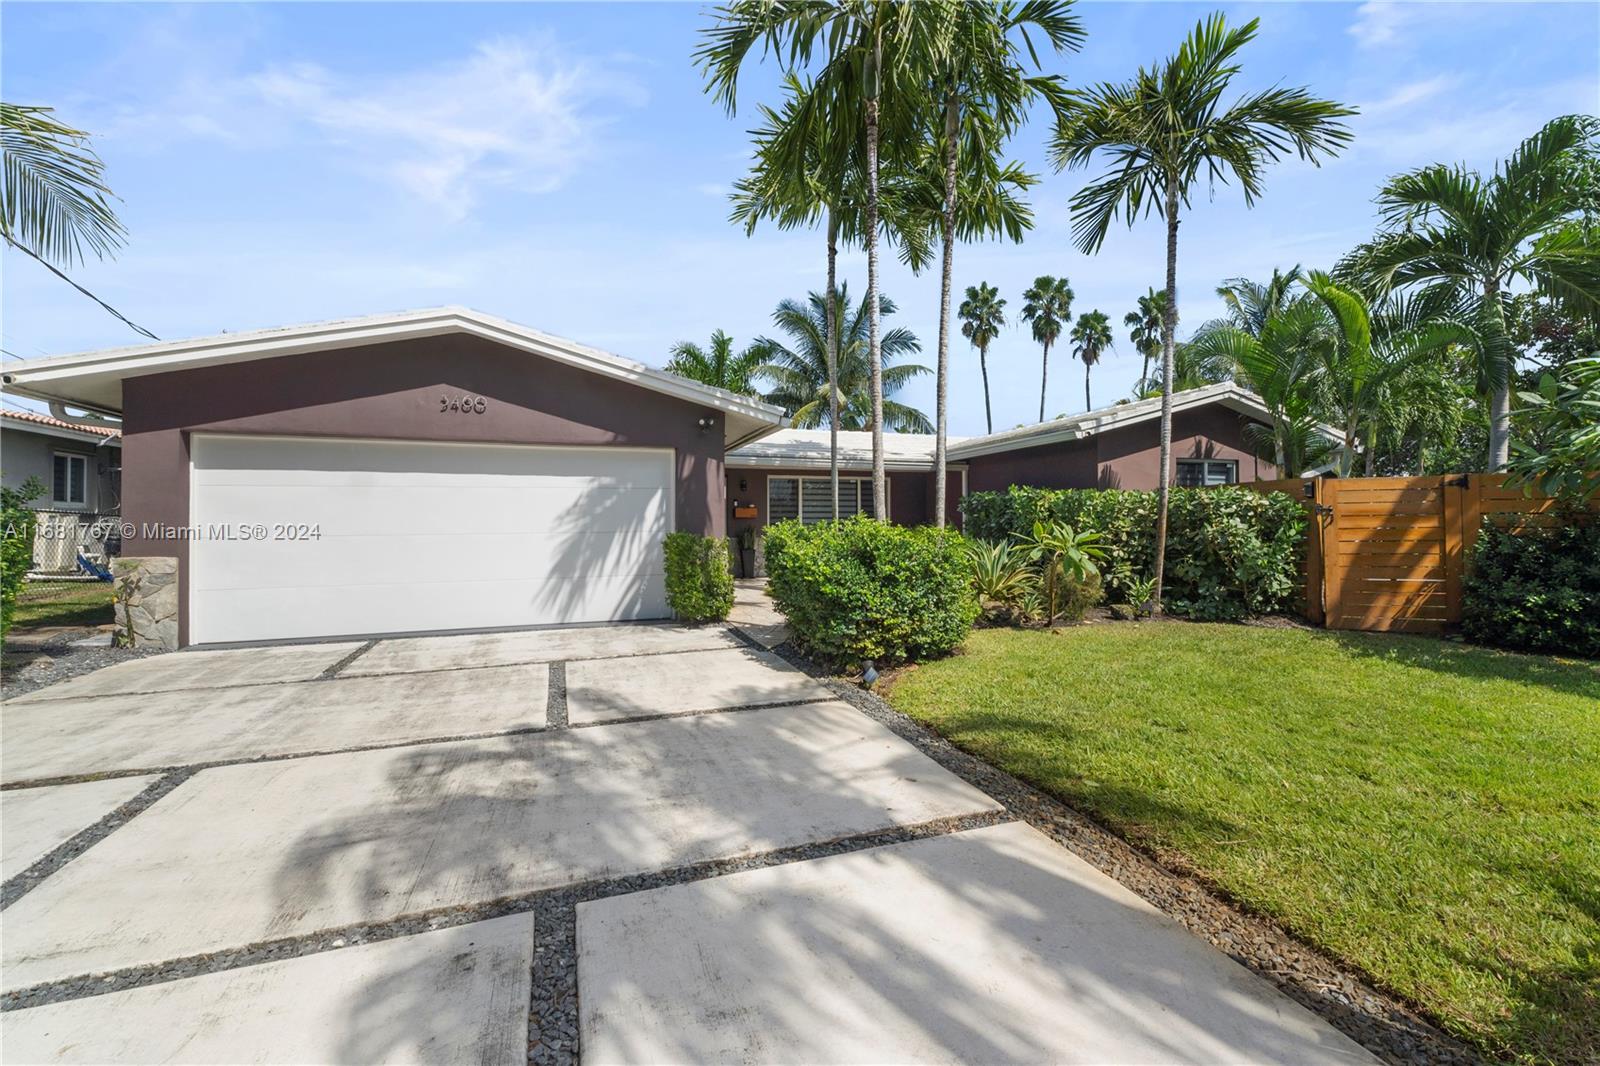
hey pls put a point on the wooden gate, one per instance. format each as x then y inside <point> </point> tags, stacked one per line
<point>1389,553</point>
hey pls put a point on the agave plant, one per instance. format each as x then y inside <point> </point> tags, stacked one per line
<point>1003,575</point>
<point>1063,552</point>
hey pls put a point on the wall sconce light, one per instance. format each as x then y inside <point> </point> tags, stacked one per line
<point>744,485</point>
<point>706,424</point>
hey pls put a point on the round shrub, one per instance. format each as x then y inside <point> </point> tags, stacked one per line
<point>699,579</point>
<point>862,589</point>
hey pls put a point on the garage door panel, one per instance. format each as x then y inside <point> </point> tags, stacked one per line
<point>378,560</point>
<point>344,512</point>
<point>438,605</point>
<point>244,459</point>
<point>417,536</point>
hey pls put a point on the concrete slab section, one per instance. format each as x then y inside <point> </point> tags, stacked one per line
<point>199,669</point>
<point>253,852</point>
<point>67,737</point>
<point>36,821</point>
<point>453,995</point>
<point>535,646</point>
<point>993,945</point>
<point>608,690</point>
<point>756,615</point>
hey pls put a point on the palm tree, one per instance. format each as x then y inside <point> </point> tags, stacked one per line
<point>54,202</point>
<point>1090,337</point>
<point>1457,235</point>
<point>827,180</point>
<point>1367,353</point>
<point>981,94</point>
<point>1144,332</point>
<point>717,365</point>
<point>983,316</point>
<point>1281,364</point>
<point>1250,303</point>
<point>1047,305</point>
<point>798,370</point>
<point>877,63</point>
<point>1166,128</point>
<point>1193,367</point>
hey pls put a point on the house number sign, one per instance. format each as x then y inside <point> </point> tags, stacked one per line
<point>470,405</point>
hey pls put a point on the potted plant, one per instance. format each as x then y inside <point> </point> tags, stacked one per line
<point>747,551</point>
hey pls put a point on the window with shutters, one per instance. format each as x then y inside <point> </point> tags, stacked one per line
<point>69,485</point>
<point>1198,473</point>
<point>807,498</point>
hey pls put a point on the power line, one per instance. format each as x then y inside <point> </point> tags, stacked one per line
<point>118,314</point>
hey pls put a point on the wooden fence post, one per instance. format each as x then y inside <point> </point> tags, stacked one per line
<point>1332,581</point>
<point>1315,613</point>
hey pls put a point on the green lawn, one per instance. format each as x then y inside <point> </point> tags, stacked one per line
<point>63,603</point>
<point>1429,813</point>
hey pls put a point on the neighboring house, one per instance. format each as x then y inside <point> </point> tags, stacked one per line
<point>785,475</point>
<point>79,467</point>
<point>444,469</point>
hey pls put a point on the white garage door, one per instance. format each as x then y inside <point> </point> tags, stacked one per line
<point>311,537</point>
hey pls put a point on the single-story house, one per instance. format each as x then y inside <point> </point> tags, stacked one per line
<point>785,474</point>
<point>445,470</point>
<point>79,466</point>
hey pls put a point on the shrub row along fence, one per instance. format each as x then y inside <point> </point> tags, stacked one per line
<point>1391,554</point>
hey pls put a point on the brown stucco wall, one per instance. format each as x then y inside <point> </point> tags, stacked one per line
<point>392,391</point>
<point>1126,458</point>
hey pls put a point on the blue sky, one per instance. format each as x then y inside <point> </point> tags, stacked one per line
<point>560,165</point>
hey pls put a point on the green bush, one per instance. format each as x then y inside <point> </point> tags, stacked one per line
<point>1231,552</point>
<point>699,581</point>
<point>16,545</point>
<point>862,589</point>
<point>1535,588</point>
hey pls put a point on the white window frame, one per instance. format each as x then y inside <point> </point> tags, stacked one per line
<point>70,457</point>
<point>800,491</point>
<point>1205,471</point>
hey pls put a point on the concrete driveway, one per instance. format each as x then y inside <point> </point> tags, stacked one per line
<point>393,850</point>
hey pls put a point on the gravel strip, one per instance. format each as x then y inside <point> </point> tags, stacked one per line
<point>27,671</point>
<point>333,671</point>
<point>553,1010</point>
<point>555,706</point>
<point>1380,1022</point>
<point>561,958</point>
<point>24,882</point>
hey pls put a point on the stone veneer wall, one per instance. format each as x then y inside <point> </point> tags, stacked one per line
<point>146,601</point>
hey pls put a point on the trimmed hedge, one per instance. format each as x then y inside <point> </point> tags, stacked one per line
<point>1535,588</point>
<point>699,581</point>
<point>1231,552</point>
<point>862,589</point>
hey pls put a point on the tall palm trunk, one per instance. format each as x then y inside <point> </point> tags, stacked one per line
<point>1169,330</point>
<point>833,361</point>
<point>983,364</point>
<point>1144,371</point>
<point>1044,378</point>
<point>880,486</point>
<point>942,386</point>
<point>1088,404</point>
<point>1499,355</point>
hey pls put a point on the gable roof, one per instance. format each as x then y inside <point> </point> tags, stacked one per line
<point>33,422</point>
<point>1076,427</point>
<point>92,381</point>
<point>808,448</point>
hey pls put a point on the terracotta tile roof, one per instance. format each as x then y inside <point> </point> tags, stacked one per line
<point>46,420</point>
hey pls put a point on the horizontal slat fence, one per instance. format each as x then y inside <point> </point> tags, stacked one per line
<point>1388,553</point>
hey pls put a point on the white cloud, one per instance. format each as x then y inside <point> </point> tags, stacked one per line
<point>511,115</point>
<point>711,189</point>
<point>1409,94</point>
<point>1378,23</point>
